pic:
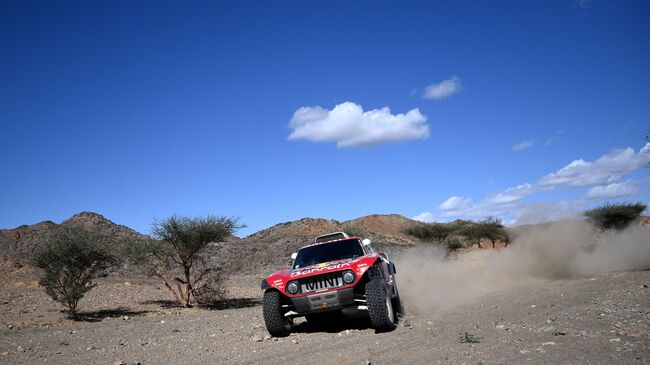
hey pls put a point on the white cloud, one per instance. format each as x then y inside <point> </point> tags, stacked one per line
<point>549,140</point>
<point>614,190</point>
<point>424,217</point>
<point>609,168</point>
<point>511,195</point>
<point>456,203</point>
<point>348,125</point>
<point>523,145</point>
<point>443,89</point>
<point>457,206</point>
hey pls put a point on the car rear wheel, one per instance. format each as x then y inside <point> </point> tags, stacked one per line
<point>380,306</point>
<point>276,323</point>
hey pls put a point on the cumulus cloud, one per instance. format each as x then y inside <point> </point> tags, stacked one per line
<point>443,89</point>
<point>614,190</point>
<point>456,203</point>
<point>511,195</point>
<point>523,145</point>
<point>348,125</point>
<point>425,217</point>
<point>493,205</point>
<point>608,169</point>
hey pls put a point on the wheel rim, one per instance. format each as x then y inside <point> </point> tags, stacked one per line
<point>389,308</point>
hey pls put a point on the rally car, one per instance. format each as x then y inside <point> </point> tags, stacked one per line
<point>335,273</point>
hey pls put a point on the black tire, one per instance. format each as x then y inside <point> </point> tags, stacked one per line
<point>276,323</point>
<point>380,306</point>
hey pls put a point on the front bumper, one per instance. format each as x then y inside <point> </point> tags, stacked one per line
<point>323,302</point>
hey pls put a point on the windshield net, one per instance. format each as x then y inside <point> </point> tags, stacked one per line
<point>326,252</point>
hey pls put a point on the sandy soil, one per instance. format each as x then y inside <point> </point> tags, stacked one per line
<point>598,320</point>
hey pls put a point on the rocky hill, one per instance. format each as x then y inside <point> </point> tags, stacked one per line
<point>21,242</point>
<point>386,228</point>
<point>271,248</point>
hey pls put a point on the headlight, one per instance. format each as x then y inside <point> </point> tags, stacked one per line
<point>292,287</point>
<point>348,277</point>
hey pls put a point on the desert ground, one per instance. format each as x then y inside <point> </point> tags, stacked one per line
<point>600,319</point>
<point>559,293</point>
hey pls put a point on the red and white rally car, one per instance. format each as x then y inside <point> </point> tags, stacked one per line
<point>336,272</point>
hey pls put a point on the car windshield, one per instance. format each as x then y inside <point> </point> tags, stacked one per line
<point>326,252</point>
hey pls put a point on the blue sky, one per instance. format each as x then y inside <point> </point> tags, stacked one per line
<point>273,111</point>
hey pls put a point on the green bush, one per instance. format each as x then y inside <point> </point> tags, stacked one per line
<point>437,232</point>
<point>616,216</point>
<point>469,338</point>
<point>454,244</point>
<point>71,260</point>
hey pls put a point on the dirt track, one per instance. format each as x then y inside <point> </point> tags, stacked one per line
<point>602,319</point>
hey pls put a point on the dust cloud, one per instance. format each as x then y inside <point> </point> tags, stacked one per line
<point>429,281</point>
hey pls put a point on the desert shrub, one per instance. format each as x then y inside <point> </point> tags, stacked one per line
<point>616,216</point>
<point>437,232</point>
<point>355,231</point>
<point>469,338</point>
<point>71,260</point>
<point>179,255</point>
<point>454,244</point>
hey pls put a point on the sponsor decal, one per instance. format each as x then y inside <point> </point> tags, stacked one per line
<point>361,268</point>
<point>277,282</point>
<point>319,268</point>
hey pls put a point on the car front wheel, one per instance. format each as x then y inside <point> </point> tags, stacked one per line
<point>380,306</point>
<point>276,323</point>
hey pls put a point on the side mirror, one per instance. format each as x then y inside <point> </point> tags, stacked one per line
<point>294,255</point>
<point>365,242</point>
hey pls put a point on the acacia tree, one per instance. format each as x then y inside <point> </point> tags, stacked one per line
<point>490,228</point>
<point>179,254</point>
<point>615,216</point>
<point>71,260</point>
